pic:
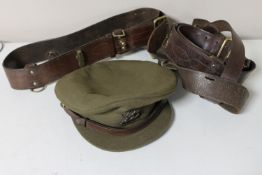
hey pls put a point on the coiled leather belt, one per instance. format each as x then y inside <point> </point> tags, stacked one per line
<point>209,63</point>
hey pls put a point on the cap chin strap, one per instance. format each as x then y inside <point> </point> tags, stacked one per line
<point>87,123</point>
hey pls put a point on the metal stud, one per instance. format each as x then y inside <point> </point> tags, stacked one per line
<point>122,44</point>
<point>32,72</point>
<point>35,83</point>
<point>213,65</point>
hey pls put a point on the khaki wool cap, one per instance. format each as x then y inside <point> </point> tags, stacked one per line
<point>118,105</point>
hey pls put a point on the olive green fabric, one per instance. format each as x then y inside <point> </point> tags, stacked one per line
<point>133,141</point>
<point>102,92</point>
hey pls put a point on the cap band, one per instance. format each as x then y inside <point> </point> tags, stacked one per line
<point>79,120</point>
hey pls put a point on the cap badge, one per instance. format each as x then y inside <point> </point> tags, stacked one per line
<point>130,116</point>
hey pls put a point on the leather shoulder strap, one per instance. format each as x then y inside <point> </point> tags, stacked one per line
<point>209,63</point>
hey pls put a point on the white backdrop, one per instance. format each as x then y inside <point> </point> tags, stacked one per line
<point>38,138</point>
<point>31,20</point>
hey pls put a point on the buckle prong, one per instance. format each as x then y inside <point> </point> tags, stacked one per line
<point>222,47</point>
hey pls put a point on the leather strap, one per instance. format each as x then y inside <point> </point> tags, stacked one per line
<point>209,63</point>
<point>85,122</point>
<point>38,64</point>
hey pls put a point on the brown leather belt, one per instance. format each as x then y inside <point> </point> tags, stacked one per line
<point>209,63</point>
<point>38,64</point>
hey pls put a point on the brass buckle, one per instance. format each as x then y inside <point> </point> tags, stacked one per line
<point>222,47</point>
<point>121,39</point>
<point>158,19</point>
<point>122,34</point>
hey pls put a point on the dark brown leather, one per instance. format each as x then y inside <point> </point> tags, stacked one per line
<point>85,122</point>
<point>208,63</point>
<point>38,64</point>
